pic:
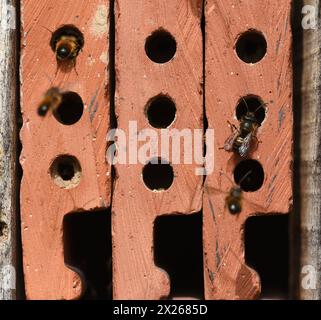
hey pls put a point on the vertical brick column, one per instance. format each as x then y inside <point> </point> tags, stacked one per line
<point>139,81</point>
<point>228,78</point>
<point>46,197</point>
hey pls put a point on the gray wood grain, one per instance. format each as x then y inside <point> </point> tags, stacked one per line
<point>8,85</point>
<point>310,162</point>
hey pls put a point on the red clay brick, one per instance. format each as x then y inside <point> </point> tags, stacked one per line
<point>43,203</point>
<point>227,79</point>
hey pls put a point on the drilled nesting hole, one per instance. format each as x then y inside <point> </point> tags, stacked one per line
<point>158,175</point>
<point>251,46</point>
<point>249,174</point>
<point>160,46</point>
<point>66,172</point>
<point>251,104</point>
<point>161,112</point>
<point>66,42</point>
<point>70,110</point>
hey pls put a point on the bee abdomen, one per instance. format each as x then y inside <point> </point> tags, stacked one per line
<point>42,110</point>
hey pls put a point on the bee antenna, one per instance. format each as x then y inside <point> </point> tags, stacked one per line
<point>245,176</point>
<point>247,107</point>
<point>261,106</point>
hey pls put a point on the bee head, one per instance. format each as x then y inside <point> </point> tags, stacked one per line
<point>236,192</point>
<point>66,42</point>
<point>250,116</point>
<point>42,110</point>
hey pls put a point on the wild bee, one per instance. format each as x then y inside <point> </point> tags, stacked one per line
<point>51,101</point>
<point>240,140</point>
<point>233,200</point>
<point>66,42</point>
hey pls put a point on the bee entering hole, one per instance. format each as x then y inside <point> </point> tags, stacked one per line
<point>251,104</point>
<point>66,42</point>
<point>161,112</point>
<point>70,109</point>
<point>160,46</point>
<point>158,175</point>
<point>253,172</point>
<point>66,172</point>
<point>251,46</point>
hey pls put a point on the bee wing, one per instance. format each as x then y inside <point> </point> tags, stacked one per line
<point>228,145</point>
<point>244,148</point>
<point>254,206</point>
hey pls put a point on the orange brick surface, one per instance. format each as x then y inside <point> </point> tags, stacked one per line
<point>43,203</point>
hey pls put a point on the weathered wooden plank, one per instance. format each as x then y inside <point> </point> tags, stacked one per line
<point>8,137</point>
<point>49,193</point>
<point>310,154</point>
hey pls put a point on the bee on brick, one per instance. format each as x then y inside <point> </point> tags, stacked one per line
<point>241,138</point>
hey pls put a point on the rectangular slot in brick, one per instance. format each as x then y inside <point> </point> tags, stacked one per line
<point>88,248</point>
<point>267,252</point>
<point>178,249</point>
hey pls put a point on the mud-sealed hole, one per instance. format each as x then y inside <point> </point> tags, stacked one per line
<point>66,42</point>
<point>267,252</point>
<point>160,46</point>
<point>70,109</point>
<point>161,111</point>
<point>249,174</point>
<point>88,248</point>
<point>66,172</point>
<point>251,46</point>
<point>158,175</point>
<point>4,232</point>
<point>251,104</point>
<point>178,249</point>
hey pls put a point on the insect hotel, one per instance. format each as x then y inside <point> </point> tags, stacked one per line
<point>159,150</point>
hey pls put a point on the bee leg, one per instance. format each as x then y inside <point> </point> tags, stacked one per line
<point>232,126</point>
<point>257,142</point>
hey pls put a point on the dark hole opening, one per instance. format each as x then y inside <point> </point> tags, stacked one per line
<point>88,247</point>
<point>267,252</point>
<point>249,174</point>
<point>161,112</point>
<point>70,110</point>
<point>251,47</point>
<point>252,104</point>
<point>160,46</point>
<point>66,170</point>
<point>158,175</point>
<point>178,249</point>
